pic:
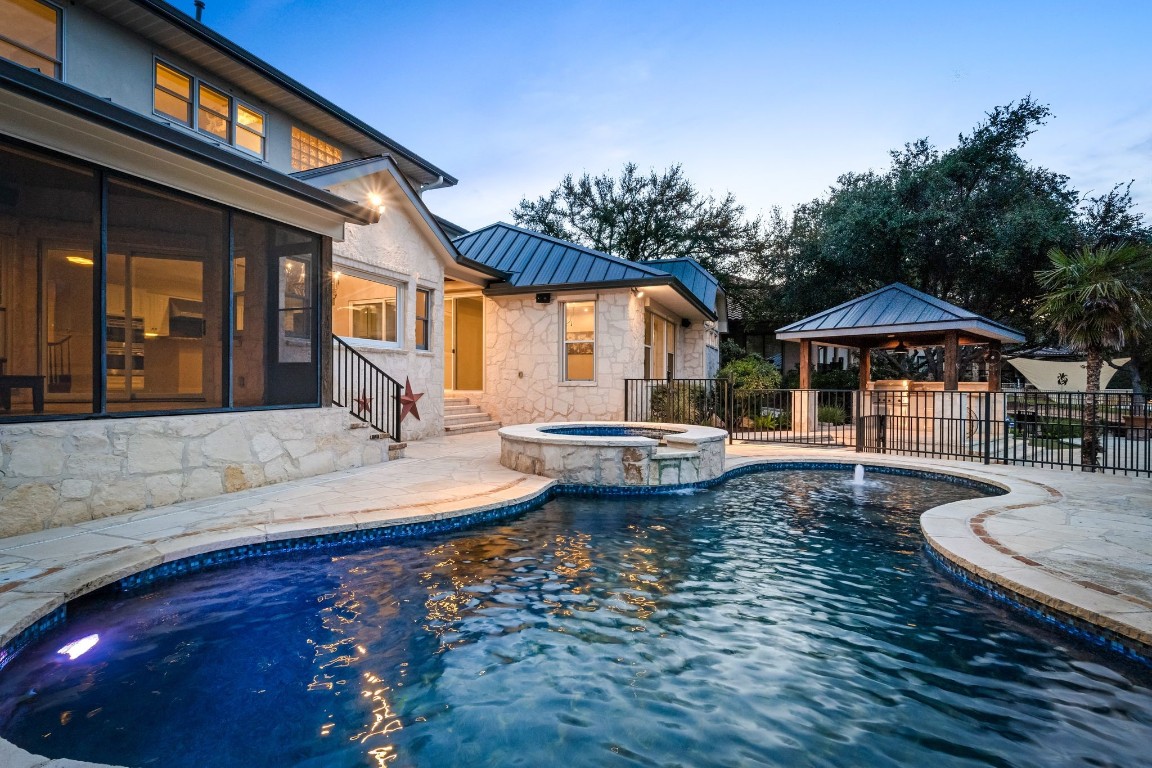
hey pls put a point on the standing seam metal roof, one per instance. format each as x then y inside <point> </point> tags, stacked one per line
<point>533,259</point>
<point>895,304</point>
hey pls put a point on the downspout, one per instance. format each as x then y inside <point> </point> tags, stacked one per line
<point>434,185</point>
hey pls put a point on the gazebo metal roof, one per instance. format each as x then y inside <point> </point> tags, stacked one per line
<point>893,314</point>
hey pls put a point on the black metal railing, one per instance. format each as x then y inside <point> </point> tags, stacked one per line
<point>368,393</point>
<point>1041,429</point>
<point>678,401</point>
<point>805,416</point>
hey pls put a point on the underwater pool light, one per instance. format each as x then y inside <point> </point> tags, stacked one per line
<point>78,648</point>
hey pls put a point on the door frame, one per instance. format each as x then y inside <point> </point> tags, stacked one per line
<point>450,340</point>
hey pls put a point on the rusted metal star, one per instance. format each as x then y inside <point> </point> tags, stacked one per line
<point>408,401</point>
<point>363,403</point>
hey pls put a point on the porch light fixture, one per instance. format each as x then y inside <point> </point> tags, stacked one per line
<point>638,292</point>
<point>900,348</point>
<point>377,201</point>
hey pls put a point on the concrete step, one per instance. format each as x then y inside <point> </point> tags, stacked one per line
<point>466,418</point>
<point>462,429</point>
<point>459,410</point>
<point>456,401</point>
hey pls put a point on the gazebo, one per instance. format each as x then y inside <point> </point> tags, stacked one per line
<point>897,317</point>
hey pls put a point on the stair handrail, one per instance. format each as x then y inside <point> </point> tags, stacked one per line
<point>361,386</point>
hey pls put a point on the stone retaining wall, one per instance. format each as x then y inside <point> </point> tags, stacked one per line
<point>63,473</point>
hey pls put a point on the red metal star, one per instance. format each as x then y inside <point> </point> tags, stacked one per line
<point>408,401</point>
<point>363,403</point>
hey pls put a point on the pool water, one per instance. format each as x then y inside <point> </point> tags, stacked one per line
<point>608,430</point>
<point>781,619</point>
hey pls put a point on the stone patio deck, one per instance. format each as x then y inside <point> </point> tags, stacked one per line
<point>1078,543</point>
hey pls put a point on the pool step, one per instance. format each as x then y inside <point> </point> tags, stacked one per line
<point>462,417</point>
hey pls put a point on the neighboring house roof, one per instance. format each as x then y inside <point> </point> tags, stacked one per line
<point>199,44</point>
<point>38,107</point>
<point>535,263</point>
<point>899,310</point>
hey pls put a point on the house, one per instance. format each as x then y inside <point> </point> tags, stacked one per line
<point>177,220</point>
<point>557,338</point>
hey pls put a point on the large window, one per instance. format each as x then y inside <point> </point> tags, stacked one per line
<point>159,343</point>
<point>166,253</point>
<point>309,152</point>
<point>366,309</point>
<point>30,35</point>
<point>179,97</point>
<point>659,347</point>
<point>579,320</point>
<point>49,228</point>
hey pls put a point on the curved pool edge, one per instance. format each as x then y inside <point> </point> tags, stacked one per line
<point>951,531</point>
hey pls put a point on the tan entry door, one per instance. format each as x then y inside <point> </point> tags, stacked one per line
<point>464,343</point>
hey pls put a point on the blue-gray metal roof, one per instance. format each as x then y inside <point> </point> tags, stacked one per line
<point>689,272</point>
<point>535,261</point>
<point>896,309</point>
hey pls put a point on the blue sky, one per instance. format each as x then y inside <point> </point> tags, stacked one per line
<point>768,100</point>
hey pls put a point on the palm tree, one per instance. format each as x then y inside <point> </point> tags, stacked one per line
<point>1095,303</point>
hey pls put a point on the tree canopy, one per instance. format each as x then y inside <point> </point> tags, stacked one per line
<point>641,216</point>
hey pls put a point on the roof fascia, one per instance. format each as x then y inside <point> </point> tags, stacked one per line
<point>208,37</point>
<point>508,289</point>
<point>990,330</point>
<point>61,96</point>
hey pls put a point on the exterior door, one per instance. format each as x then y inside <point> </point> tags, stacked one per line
<point>464,343</point>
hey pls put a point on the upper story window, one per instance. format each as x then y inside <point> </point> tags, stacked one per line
<point>178,96</point>
<point>579,319</point>
<point>30,35</point>
<point>309,152</point>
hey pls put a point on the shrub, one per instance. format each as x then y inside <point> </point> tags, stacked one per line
<point>751,372</point>
<point>831,414</point>
<point>682,404</point>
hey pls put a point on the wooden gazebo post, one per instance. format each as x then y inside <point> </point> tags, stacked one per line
<point>951,360</point>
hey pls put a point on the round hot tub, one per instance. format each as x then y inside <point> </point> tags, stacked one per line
<point>606,453</point>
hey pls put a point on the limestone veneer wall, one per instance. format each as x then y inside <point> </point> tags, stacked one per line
<point>522,359</point>
<point>401,249</point>
<point>692,351</point>
<point>66,472</point>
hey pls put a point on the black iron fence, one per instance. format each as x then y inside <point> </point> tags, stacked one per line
<point>1041,429</point>
<point>368,393</point>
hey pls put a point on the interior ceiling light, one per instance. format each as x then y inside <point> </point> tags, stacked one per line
<point>900,348</point>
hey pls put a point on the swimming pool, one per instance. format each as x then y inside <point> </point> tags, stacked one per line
<point>785,618</point>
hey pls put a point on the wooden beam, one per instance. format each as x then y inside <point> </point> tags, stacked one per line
<point>951,361</point>
<point>805,364</point>
<point>865,368</point>
<point>992,360</point>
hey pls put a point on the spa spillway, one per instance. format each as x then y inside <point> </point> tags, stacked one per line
<point>615,454</point>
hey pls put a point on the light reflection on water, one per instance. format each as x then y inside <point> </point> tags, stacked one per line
<point>782,619</point>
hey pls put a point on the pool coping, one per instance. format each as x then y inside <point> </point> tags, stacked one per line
<point>958,533</point>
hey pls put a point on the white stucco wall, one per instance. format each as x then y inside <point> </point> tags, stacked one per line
<point>401,249</point>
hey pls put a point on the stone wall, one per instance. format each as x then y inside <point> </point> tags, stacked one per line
<point>401,249</point>
<point>522,359</point>
<point>692,352</point>
<point>66,472</point>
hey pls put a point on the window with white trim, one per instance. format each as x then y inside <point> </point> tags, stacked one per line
<point>183,99</point>
<point>367,309</point>
<point>579,343</point>
<point>30,35</point>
